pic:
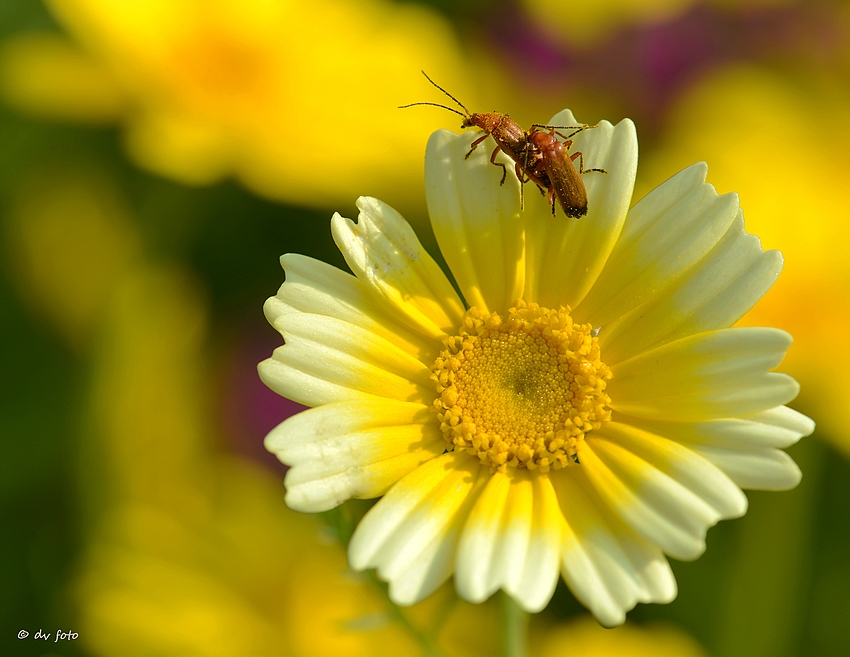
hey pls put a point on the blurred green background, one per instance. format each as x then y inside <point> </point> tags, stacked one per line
<point>158,156</point>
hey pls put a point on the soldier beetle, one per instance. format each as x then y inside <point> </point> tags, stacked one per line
<point>538,156</point>
<point>509,136</point>
<point>557,162</point>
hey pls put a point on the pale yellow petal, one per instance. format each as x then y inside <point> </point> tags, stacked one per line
<point>565,256</point>
<point>352,449</point>
<point>325,360</point>
<point>511,541</point>
<point>713,294</point>
<point>385,254</point>
<point>607,566</point>
<point>477,222</point>
<point>540,577</point>
<point>755,468</point>
<point>785,418</point>
<point>318,288</point>
<point>411,534</point>
<point>744,448</point>
<point>657,507</point>
<point>665,234</point>
<point>477,578</point>
<point>709,375</point>
<point>685,466</point>
<point>777,427</point>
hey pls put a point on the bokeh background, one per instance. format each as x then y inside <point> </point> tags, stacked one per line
<point>157,156</point>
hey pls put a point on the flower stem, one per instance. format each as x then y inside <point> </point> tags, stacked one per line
<point>515,628</point>
<point>426,643</point>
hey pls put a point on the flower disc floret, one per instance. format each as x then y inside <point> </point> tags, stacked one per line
<point>521,391</point>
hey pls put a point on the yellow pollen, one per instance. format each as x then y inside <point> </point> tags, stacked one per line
<point>523,391</point>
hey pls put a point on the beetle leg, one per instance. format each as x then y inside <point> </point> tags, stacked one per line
<point>553,128</point>
<point>474,144</point>
<point>499,164</point>
<point>581,169</point>
<point>521,174</point>
<point>574,132</point>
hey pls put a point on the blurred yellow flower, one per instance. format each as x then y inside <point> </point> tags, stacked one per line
<point>583,24</point>
<point>782,142</point>
<point>297,100</point>
<point>73,228</point>
<point>48,76</point>
<point>584,638</point>
<point>584,409</point>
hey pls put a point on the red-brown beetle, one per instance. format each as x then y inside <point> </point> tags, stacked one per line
<point>508,135</point>
<point>557,162</point>
<point>538,156</point>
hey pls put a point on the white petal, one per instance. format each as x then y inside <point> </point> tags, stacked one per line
<point>652,503</point>
<point>324,358</point>
<point>352,449</point>
<point>385,254</point>
<point>710,375</point>
<point>743,448</point>
<point>537,583</point>
<point>607,566</point>
<point>476,221</point>
<point>510,541</point>
<point>758,469</point>
<point>564,255</point>
<point>681,464</point>
<point>318,288</point>
<point>411,533</point>
<point>786,418</point>
<point>665,234</point>
<point>777,427</point>
<point>713,294</point>
<point>477,578</point>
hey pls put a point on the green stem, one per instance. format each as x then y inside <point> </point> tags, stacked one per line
<point>429,648</point>
<point>515,627</point>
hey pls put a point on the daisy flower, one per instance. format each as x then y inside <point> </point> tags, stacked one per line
<point>577,404</point>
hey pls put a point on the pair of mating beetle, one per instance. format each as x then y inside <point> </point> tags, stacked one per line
<point>538,155</point>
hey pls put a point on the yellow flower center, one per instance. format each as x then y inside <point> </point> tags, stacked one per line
<point>523,391</point>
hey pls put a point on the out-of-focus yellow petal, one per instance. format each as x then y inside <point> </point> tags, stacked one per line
<point>70,237</point>
<point>178,145</point>
<point>291,98</point>
<point>583,23</point>
<point>47,75</point>
<point>586,638</point>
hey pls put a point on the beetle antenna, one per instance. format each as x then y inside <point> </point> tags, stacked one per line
<point>447,93</point>
<point>434,105</point>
